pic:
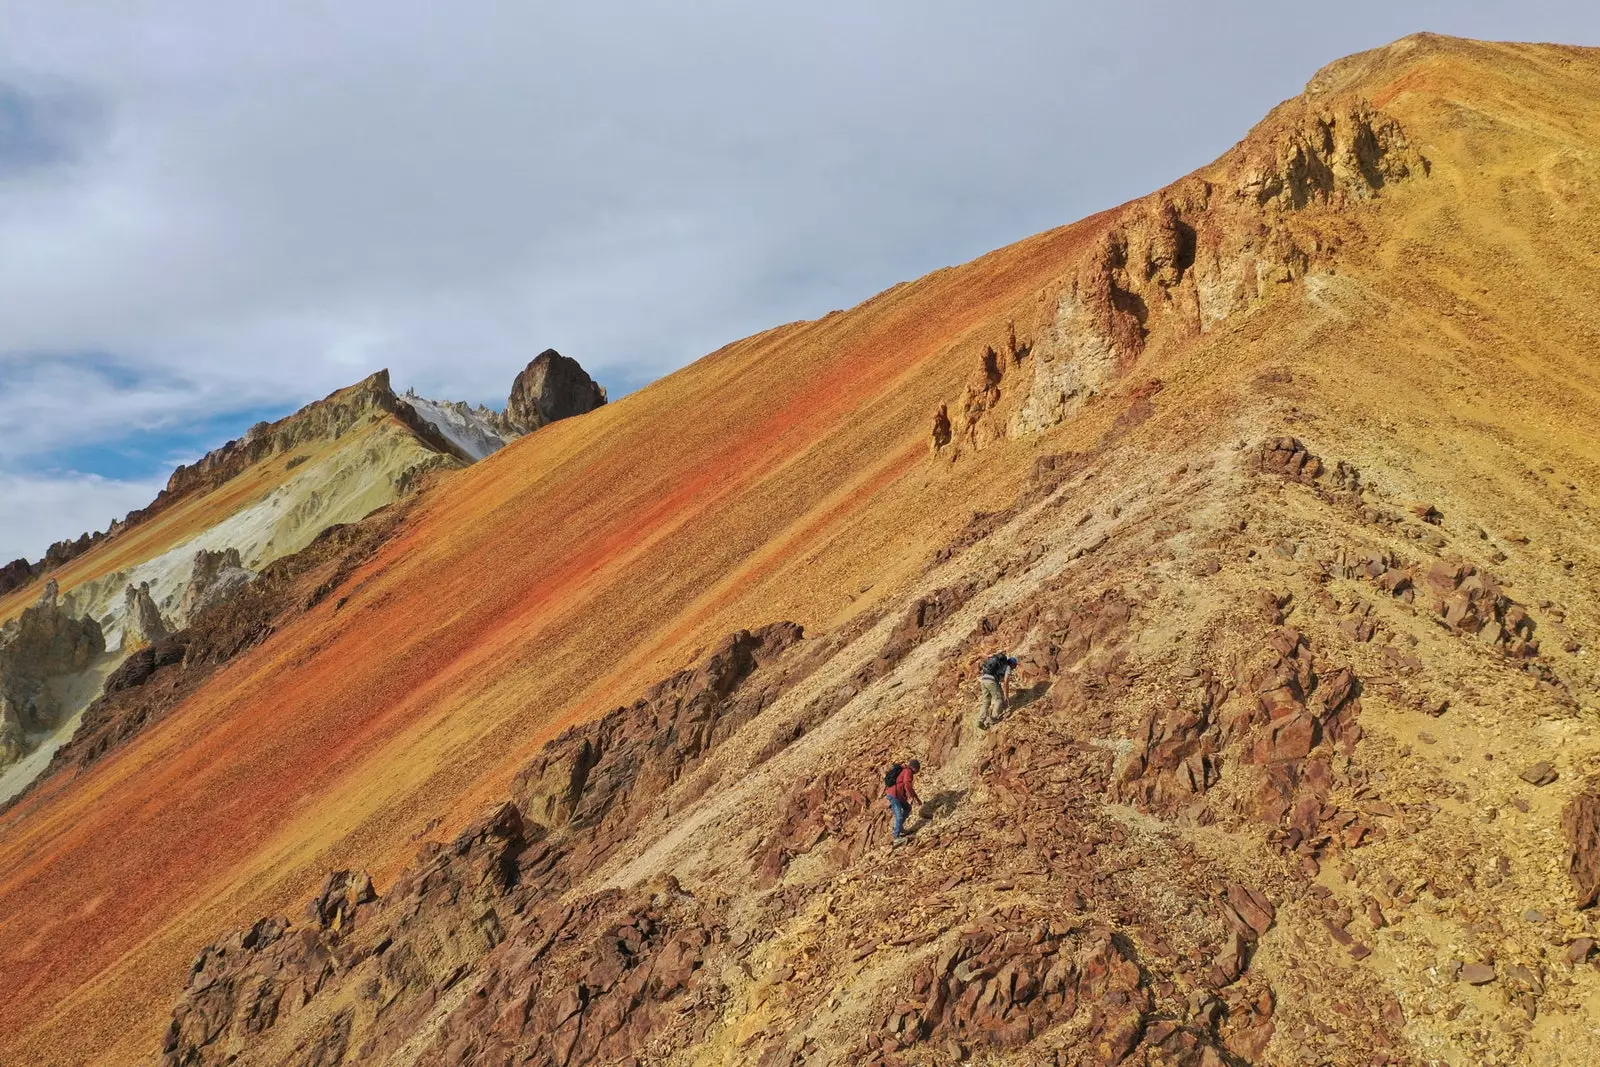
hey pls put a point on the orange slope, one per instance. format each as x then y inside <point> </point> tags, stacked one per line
<point>551,581</point>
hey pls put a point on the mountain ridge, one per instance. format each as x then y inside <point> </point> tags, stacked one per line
<point>218,524</point>
<point>1299,601</point>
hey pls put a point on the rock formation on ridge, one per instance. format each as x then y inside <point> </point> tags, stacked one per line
<point>549,388</point>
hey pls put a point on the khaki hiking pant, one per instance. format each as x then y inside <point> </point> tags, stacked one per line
<point>991,702</point>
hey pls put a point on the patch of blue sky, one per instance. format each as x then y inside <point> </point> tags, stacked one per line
<point>140,454</point>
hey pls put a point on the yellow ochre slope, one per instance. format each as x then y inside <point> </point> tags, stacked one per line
<point>1399,267</point>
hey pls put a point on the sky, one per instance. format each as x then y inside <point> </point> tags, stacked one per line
<point>212,212</point>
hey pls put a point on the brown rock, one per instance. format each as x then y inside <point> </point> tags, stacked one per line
<point>550,388</point>
<point>43,644</point>
<point>1581,825</point>
<point>1477,973</point>
<point>1250,912</point>
<point>1541,773</point>
<point>342,895</point>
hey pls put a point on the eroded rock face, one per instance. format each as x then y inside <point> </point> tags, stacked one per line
<point>1179,262</point>
<point>551,387</point>
<point>15,575</point>
<point>216,577</point>
<point>551,980</point>
<point>144,625</point>
<point>600,776</point>
<point>43,644</point>
<point>156,678</point>
<point>1581,824</point>
<point>446,909</point>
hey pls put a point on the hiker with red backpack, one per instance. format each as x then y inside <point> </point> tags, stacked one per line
<point>902,793</point>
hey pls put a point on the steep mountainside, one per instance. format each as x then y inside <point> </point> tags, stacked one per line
<point>1281,483</point>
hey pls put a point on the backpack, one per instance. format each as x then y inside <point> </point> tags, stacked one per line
<point>892,775</point>
<point>995,666</point>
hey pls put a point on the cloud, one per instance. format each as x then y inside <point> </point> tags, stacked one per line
<point>43,128</point>
<point>38,508</point>
<point>247,205</point>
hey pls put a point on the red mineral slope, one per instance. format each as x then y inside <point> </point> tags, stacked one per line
<point>1087,498</point>
<point>526,591</point>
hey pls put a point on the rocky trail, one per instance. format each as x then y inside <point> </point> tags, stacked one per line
<point>1231,819</point>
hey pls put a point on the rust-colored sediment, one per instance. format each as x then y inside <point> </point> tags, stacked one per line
<point>533,587</point>
<point>786,476</point>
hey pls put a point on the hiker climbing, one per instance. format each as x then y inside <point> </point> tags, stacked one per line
<point>902,793</point>
<point>993,688</point>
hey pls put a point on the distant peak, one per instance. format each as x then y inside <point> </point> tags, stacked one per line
<point>550,388</point>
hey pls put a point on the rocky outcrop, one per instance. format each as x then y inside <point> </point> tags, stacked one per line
<point>142,622</point>
<point>551,387</point>
<point>1179,262</point>
<point>43,644</point>
<point>600,777</point>
<point>1330,152</point>
<point>1580,822</point>
<point>156,678</point>
<point>553,980</point>
<point>15,575</point>
<point>476,432</point>
<point>325,420</point>
<point>216,577</point>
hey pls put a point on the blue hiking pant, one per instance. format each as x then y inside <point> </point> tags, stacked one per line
<point>901,811</point>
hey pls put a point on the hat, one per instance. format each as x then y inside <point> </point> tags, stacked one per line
<point>916,765</point>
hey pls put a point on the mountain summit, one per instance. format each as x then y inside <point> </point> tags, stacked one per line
<point>1280,485</point>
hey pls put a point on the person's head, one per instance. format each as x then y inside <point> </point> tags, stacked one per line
<point>1011,661</point>
<point>916,765</point>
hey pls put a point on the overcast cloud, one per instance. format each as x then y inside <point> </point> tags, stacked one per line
<point>213,211</point>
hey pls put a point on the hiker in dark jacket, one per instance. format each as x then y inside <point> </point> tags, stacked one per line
<point>902,793</point>
<point>993,678</point>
